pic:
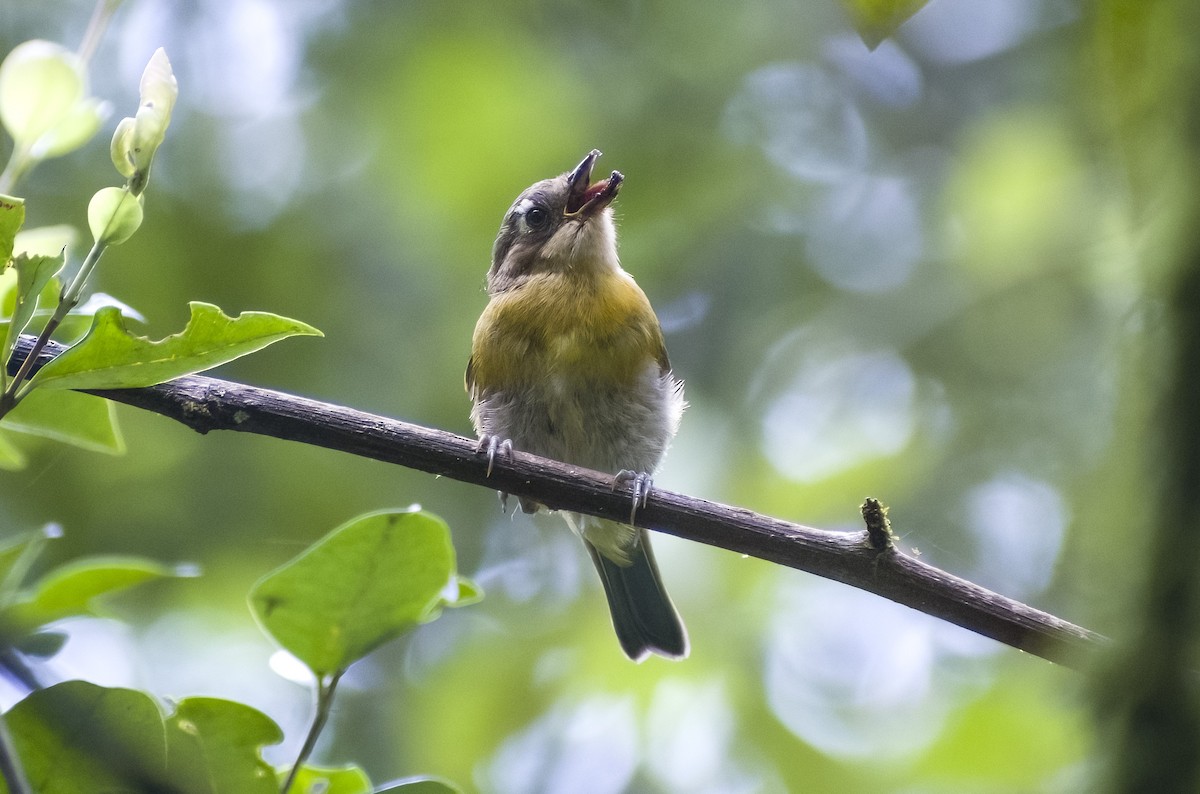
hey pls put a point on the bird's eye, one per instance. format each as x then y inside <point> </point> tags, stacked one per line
<point>536,217</point>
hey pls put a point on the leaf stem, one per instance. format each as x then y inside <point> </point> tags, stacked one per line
<point>70,295</point>
<point>10,764</point>
<point>96,27</point>
<point>14,393</point>
<point>19,163</point>
<point>325,690</point>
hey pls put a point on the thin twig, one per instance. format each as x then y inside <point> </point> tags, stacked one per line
<point>96,26</point>
<point>326,687</point>
<point>207,404</point>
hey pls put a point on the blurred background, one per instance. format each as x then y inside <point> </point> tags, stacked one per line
<point>910,273</point>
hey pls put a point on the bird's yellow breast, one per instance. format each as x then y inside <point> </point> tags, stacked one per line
<point>595,328</point>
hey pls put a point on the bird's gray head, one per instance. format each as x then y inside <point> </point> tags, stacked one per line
<point>557,224</point>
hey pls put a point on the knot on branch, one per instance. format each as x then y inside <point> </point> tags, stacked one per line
<point>879,529</point>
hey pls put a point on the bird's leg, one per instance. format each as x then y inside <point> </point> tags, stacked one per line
<point>494,445</point>
<point>641,488</point>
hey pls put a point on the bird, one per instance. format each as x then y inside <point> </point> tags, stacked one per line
<point>568,361</point>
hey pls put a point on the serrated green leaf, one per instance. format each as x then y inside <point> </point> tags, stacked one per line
<point>79,320</point>
<point>70,417</point>
<point>368,581</point>
<point>326,780</point>
<point>215,746</point>
<point>110,357</point>
<point>875,20</point>
<point>12,216</point>
<point>69,590</point>
<point>33,274</point>
<point>423,785</point>
<point>77,736</point>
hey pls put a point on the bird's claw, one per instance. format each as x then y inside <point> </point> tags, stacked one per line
<point>493,445</point>
<point>641,485</point>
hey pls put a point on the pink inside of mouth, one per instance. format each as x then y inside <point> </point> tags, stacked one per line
<point>588,195</point>
<point>595,190</point>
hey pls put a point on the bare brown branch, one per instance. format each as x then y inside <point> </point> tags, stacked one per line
<point>205,404</point>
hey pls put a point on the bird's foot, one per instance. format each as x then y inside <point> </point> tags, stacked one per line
<point>641,485</point>
<point>494,445</point>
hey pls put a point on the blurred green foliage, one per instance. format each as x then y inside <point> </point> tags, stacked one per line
<point>76,736</point>
<point>930,272</point>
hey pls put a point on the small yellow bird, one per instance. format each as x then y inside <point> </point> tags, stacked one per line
<point>568,362</point>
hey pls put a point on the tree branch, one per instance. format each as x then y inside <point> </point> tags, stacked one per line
<point>869,563</point>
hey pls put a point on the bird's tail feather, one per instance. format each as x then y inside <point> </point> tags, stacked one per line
<point>642,614</point>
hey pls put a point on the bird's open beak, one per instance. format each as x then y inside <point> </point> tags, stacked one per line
<point>584,198</point>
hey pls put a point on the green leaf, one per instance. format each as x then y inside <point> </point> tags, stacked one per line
<point>70,417</point>
<point>326,780</point>
<point>43,644</point>
<point>423,785</point>
<point>75,129</point>
<point>368,581</point>
<point>78,321</point>
<point>77,736</point>
<point>46,240</point>
<point>69,590</point>
<point>17,555</point>
<point>11,457</point>
<point>33,274</point>
<point>215,746</point>
<point>40,84</point>
<point>110,357</point>
<point>114,214</point>
<point>875,20</point>
<point>12,216</point>
<point>8,290</point>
